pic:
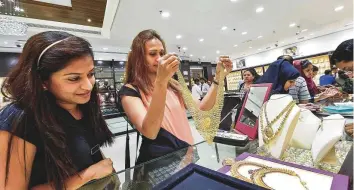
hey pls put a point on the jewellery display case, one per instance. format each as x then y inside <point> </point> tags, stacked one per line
<point>322,62</point>
<point>282,175</point>
<point>109,78</point>
<point>259,70</point>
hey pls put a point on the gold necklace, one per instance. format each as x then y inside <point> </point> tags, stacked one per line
<point>206,122</point>
<point>235,166</point>
<point>267,131</point>
<point>258,175</point>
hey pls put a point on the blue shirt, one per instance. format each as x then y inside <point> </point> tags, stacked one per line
<point>326,80</point>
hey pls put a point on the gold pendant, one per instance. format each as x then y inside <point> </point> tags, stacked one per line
<point>269,132</point>
<point>205,123</point>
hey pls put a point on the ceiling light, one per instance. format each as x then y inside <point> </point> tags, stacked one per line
<point>22,10</point>
<point>244,33</point>
<point>235,45</point>
<point>99,58</point>
<point>259,9</point>
<point>203,57</point>
<point>5,42</point>
<point>89,20</point>
<point>224,28</point>
<point>292,25</point>
<point>304,30</point>
<point>121,62</point>
<point>260,37</point>
<point>250,47</point>
<point>339,8</point>
<point>105,48</point>
<point>201,39</point>
<point>178,36</point>
<point>99,62</point>
<point>165,14</point>
<point>17,9</point>
<point>217,51</point>
<point>191,55</point>
<point>282,42</point>
<point>184,48</point>
<point>259,49</point>
<point>233,0</point>
<point>311,34</point>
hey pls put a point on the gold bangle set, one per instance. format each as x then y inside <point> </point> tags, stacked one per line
<point>257,175</point>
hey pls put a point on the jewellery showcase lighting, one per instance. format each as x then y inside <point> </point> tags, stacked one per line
<point>8,25</point>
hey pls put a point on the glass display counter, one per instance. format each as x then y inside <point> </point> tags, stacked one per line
<point>142,176</point>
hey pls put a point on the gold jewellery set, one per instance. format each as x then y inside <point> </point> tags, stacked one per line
<point>257,175</point>
<point>206,122</point>
<point>268,132</point>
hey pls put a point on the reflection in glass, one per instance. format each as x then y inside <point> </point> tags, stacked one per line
<point>253,106</point>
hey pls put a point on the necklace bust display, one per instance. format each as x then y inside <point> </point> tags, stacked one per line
<point>277,121</point>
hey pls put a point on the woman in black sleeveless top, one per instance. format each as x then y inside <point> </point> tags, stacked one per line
<point>50,136</point>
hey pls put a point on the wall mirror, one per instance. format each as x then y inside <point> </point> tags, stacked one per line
<point>247,122</point>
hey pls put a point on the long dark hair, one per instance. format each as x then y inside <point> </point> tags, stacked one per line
<point>24,86</point>
<point>137,68</point>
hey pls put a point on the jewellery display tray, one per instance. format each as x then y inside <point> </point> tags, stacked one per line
<point>231,141</point>
<point>199,178</point>
<point>339,182</point>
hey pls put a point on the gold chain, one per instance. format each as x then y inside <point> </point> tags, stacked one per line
<point>267,131</point>
<point>206,122</point>
<point>257,176</point>
<point>237,165</point>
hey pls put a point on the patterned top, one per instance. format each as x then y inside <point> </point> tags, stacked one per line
<point>300,90</point>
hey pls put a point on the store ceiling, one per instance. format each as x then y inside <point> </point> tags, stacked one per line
<point>204,19</point>
<point>82,12</point>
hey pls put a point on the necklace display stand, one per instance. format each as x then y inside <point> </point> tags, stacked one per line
<point>305,130</point>
<point>326,137</point>
<point>284,126</point>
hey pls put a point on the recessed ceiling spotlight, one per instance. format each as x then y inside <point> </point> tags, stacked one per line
<point>260,37</point>
<point>292,25</point>
<point>178,36</point>
<point>99,62</point>
<point>184,48</point>
<point>217,51</point>
<point>191,55</point>
<point>259,9</point>
<point>339,8</point>
<point>201,40</point>
<point>282,42</point>
<point>259,49</point>
<point>105,48</point>
<point>224,28</point>
<point>203,57</point>
<point>250,47</point>
<point>304,30</point>
<point>244,33</point>
<point>89,20</point>
<point>233,0</point>
<point>165,14</point>
<point>5,42</point>
<point>311,34</point>
<point>235,45</point>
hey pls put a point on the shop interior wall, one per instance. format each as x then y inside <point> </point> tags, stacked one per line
<point>309,47</point>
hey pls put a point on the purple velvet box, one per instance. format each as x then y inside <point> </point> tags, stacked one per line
<point>340,182</point>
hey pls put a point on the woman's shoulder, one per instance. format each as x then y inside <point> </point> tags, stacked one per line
<point>129,90</point>
<point>14,120</point>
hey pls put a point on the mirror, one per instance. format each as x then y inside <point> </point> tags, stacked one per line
<point>247,122</point>
<point>253,106</point>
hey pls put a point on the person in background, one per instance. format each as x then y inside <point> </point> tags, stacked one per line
<point>286,57</point>
<point>209,83</point>
<point>342,57</point>
<point>50,136</point>
<point>196,92</point>
<point>327,78</point>
<point>282,74</point>
<point>334,71</point>
<point>300,92</point>
<point>306,71</point>
<point>249,77</point>
<point>314,71</point>
<point>204,87</point>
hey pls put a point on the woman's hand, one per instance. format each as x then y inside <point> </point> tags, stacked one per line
<point>101,169</point>
<point>168,66</point>
<point>225,64</point>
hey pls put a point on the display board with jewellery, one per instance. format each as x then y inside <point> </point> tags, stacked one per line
<point>233,80</point>
<point>247,121</point>
<point>275,174</point>
<point>259,70</point>
<point>323,63</point>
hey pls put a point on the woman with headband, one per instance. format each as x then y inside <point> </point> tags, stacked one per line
<point>152,99</point>
<point>50,136</point>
